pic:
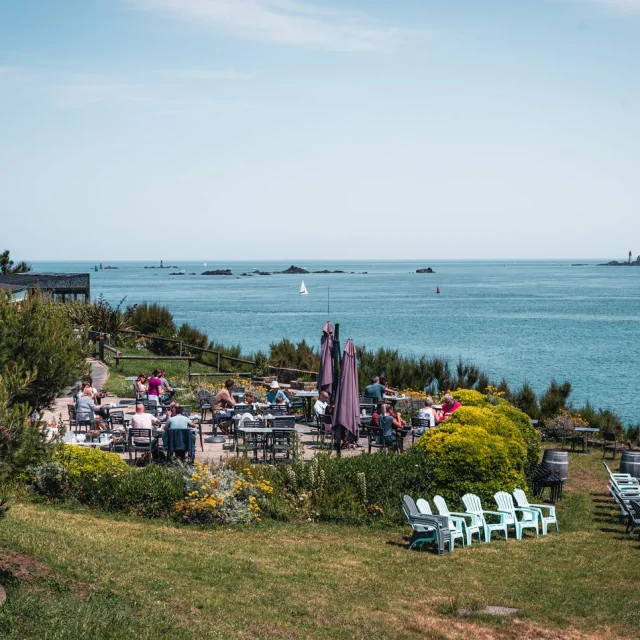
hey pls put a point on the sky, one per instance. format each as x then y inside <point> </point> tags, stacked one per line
<point>273,129</point>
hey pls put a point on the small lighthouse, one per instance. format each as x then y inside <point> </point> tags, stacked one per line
<point>629,256</point>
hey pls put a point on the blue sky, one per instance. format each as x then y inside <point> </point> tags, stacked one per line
<point>221,129</point>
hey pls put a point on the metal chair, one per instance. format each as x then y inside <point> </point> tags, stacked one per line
<point>204,402</point>
<point>251,442</point>
<point>71,409</point>
<point>418,427</point>
<point>241,409</point>
<point>140,440</point>
<point>278,410</point>
<point>282,442</point>
<point>610,443</point>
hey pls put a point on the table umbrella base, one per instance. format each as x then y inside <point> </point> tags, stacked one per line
<point>215,439</point>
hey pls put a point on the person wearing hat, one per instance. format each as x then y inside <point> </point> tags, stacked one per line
<point>275,393</point>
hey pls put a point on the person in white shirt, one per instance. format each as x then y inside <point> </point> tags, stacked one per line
<point>320,406</point>
<point>426,412</point>
<point>142,420</point>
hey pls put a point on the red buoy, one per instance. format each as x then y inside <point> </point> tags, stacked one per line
<point>437,289</point>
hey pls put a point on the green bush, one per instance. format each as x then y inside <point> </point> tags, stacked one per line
<point>92,475</point>
<point>470,398</point>
<point>150,492</point>
<point>355,490</point>
<point>470,459</point>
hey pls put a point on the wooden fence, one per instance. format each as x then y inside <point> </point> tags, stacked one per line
<point>103,339</point>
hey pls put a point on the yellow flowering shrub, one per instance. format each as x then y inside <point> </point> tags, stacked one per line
<point>220,495</point>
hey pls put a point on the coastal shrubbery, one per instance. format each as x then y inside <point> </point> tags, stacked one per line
<point>486,446</point>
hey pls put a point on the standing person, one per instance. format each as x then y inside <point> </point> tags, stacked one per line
<point>426,413</point>
<point>276,392</point>
<point>449,405</point>
<point>154,387</point>
<point>224,402</point>
<point>141,386</point>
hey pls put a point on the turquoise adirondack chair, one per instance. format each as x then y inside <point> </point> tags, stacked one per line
<point>473,525</point>
<point>509,511</point>
<point>474,507</point>
<point>523,502</point>
<point>455,524</point>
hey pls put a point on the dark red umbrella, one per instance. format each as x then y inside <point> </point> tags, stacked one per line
<point>325,375</point>
<point>346,412</point>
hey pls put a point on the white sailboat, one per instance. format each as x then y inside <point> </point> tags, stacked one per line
<point>303,290</point>
<point>205,264</point>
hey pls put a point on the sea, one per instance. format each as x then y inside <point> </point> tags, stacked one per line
<point>523,321</point>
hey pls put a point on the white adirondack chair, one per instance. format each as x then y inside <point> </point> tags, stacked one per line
<point>523,502</point>
<point>509,513</point>
<point>469,528</point>
<point>474,507</point>
<point>455,526</point>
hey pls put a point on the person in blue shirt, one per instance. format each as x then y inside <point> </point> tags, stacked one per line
<point>276,392</point>
<point>375,389</point>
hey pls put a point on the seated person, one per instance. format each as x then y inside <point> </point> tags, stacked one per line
<point>389,424</point>
<point>154,387</point>
<point>224,402</point>
<point>86,409</point>
<point>375,390</point>
<point>143,420</point>
<point>185,441</point>
<point>276,392</point>
<point>387,389</point>
<point>427,413</point>
<point>249,398</point>
<point>167,389</point>
<point>449,405</point>
<point>321,404</point>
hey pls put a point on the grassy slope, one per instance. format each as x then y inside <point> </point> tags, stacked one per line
<point>122,577</point>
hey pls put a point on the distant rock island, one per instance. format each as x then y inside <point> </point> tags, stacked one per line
<point>615,263</point>
<point>295,270</point>
<point>108,267</point>
<point>580,264</point>
<point>427,270</point>
<point>218,272</point>
<point>171,266</point>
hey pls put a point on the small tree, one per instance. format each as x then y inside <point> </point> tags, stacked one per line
<point>37,344</point>
<point>7,265</point>
<point>21,443</point>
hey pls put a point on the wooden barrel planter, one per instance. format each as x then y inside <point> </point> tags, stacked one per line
<point>630,463</point>
<point>556,461</point>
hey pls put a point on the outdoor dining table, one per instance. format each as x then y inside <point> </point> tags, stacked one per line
<point>586,431</point>
<point>108,408</point>
<point>308,396</point>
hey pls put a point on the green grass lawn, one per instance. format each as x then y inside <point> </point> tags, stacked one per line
<point>78,574</point>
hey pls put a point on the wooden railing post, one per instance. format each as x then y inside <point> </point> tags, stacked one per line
<point>188,366</point>
<point>101,347</point>
<point>181,343</point>
<point>218,362</point>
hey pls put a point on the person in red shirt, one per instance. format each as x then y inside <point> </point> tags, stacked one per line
<point>449,405</point>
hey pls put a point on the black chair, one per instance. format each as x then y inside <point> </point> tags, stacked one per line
<point>140,440</point>
<point>180,443</point>
<point>241,409</point>
<point>278,409</point>
<point>416,405</point>
<point>541,478</point>
<point>204,402</point>
<point>418,427</point>
<point>282,422</point>
<point>299,406</point>
<point>282,443</point>
<point>610,443</point>
<point>251,442</point>
<point>71,409</point>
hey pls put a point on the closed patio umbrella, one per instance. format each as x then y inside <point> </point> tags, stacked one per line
<point>325,374</point>
<point>346,412</point>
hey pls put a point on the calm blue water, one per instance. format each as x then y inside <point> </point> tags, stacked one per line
<point>524,321</point>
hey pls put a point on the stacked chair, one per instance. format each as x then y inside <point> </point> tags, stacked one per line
<point>625,490</point>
